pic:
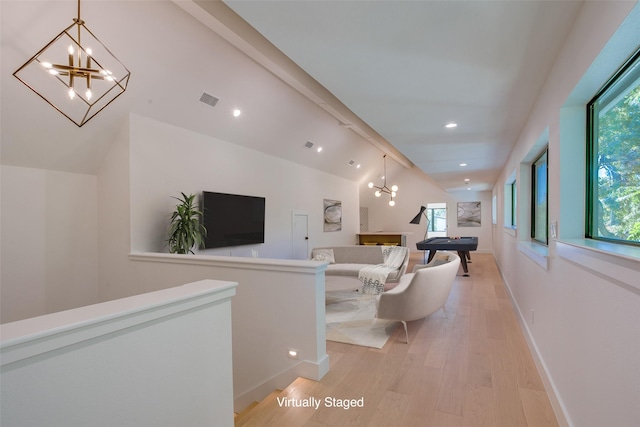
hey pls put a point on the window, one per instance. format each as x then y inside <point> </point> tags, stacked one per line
<point>511,202</point>
<point>437,219</point>
<point>494,207</point>
<point>539,188</point>
<point>613,169</point>
<point>513,195</point>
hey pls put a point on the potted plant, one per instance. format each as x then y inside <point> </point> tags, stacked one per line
<point>185,229</point>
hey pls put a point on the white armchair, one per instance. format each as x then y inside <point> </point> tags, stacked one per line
<point>420,293</point>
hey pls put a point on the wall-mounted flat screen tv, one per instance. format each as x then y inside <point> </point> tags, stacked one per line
<point>232,219</point>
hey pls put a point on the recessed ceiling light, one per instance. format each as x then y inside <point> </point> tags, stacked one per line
<point>468,188</point>
<point>236,113</point>
<point>467,180</point>
<point>451,125</point>
<point>358,167</point>
<point>319,149</point>
<point>463,164</point>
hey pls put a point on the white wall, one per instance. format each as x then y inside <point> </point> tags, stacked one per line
<point>582,323</point>
<point>114,224</point>
<point>415,189</point>
<point>49,241</point>
<point>167,160</point>
<point>161,160</point>
<point>279,112</point>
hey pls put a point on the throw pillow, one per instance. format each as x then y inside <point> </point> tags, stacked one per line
<point>325,255</point>
<point>439,259</point>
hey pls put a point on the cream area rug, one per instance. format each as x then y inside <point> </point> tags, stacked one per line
<point>350,318</point>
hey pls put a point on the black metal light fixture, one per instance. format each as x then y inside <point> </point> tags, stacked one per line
<point>384,189</point>
<point>417,218</point>
<point>75,73</point>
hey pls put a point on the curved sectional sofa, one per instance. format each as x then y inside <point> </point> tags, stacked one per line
<point>346,262</point>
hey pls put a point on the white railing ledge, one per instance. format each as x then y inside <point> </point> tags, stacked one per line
<point>298,266</point>
<point>631,253</point>
<point>36,335</point>
<point>616,262</point>
<point>536,252</point>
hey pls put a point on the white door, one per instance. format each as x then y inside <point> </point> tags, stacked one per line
<point>300,235</point>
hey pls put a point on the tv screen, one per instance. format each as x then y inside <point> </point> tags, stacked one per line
<point>232,219</point>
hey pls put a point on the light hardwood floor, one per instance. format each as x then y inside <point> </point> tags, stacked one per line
<point>466,365</point>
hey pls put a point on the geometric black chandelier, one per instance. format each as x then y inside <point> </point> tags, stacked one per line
<point>75,73</point>
<point>384,189</point>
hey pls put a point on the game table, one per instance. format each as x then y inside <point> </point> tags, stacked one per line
<point>462,245</point>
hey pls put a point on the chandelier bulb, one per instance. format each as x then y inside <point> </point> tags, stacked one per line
<point>377,193</point>
<point>88,94</point>
<point>393,194</point>
<point>70,50</point>
<point>370,185</point>
<point>71,93</point>
<point>394,188</point>
<point>392,203</point>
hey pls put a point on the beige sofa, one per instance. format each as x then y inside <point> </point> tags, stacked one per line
<point>345,262</point>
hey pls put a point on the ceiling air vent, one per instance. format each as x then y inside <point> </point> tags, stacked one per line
<point>209,99</point>
<point>309,144</point>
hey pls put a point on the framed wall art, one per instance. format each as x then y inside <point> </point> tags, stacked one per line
<point>332,215</point>
<point>469,214</point>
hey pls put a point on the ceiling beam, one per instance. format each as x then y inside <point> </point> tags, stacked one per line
<point>226,23</point>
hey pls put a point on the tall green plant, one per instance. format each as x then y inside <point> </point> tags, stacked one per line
<point>185,230</point>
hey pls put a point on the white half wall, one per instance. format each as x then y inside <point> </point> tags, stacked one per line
<point>279,306</point>
<point>157,359</point>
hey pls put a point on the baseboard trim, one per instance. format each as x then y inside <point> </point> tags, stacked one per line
<point>312,370</point>
<point>549,386</point>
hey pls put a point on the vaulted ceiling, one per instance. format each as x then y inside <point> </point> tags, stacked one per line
<point>393,72</point>
<point>407,68</point>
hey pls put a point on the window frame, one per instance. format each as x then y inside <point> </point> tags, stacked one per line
<point>509,204</point>
<point>513,195</point>
<point>534,193</point>
<point>592,164</point>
